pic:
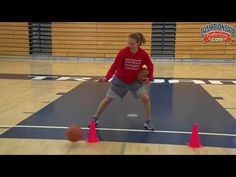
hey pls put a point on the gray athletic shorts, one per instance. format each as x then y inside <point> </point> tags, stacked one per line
<point>119,88</point>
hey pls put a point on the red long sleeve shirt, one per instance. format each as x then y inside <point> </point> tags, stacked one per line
<point>127,64</point>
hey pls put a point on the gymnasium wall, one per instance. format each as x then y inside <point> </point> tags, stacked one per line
<point>105,39</point>
<point>14,38</point>
<point>95,39</point>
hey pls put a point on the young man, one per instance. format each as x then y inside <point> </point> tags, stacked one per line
<point>125,69</point>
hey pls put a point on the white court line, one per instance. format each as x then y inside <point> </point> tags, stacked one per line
<point>63,78</point>
<point>79,79</point>
<point>158,81</point>
<point>215,82</point>
<point>43,76</point>
<point>172,81</point>
<point>116,129</point>
<point>86,78</point>
<point>198,82</point>
<point>186,80</point>
<point>39,78</point>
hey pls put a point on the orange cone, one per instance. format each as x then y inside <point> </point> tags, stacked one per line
<point>194,140</point>
<point>92,135</point>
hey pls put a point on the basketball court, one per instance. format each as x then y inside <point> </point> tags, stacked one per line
<point>38,108</point>
<point>49,80</point>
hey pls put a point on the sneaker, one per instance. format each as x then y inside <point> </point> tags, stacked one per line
<point>96,122</point>
<point>149,125</point>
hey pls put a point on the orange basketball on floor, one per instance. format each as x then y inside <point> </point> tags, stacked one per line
<point>74,133</point>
